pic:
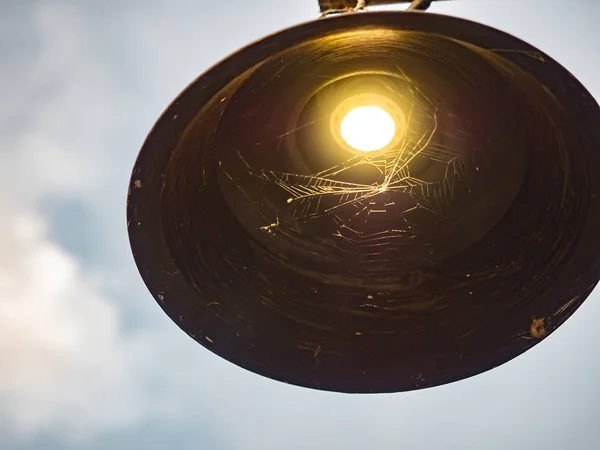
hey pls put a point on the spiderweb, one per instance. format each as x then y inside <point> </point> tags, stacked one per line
<point>368,215</point>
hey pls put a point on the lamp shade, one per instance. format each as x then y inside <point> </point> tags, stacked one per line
<point>462,239</point>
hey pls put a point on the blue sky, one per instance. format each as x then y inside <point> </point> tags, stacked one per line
<point>88,359</point>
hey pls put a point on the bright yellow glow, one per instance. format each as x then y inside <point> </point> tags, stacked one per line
<point>368,128</point>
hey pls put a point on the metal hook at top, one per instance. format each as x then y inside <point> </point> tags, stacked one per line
<point>419,5</point>
<point>330,7</point>
<point>361,5</point>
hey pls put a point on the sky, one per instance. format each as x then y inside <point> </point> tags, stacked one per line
<point>88,361</point>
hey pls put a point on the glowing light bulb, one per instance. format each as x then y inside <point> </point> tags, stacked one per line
<point>368,128</point>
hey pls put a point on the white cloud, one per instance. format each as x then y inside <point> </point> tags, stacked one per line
<point>78,96</point>
<point>67,367</point>
<point>67,105</point>
<point>59,340</point>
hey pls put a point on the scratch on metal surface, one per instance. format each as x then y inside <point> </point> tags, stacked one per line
<point>567,305</point>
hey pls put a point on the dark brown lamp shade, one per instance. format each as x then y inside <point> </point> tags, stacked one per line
<point>463,243</point>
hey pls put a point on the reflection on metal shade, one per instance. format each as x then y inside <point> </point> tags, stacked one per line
<point>458,246</point>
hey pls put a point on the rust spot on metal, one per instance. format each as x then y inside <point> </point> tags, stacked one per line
<point>537,329</point>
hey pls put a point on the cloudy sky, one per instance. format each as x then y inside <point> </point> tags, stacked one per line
<point>89,361</point>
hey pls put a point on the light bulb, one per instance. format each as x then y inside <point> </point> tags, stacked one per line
<point>368,128</point>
